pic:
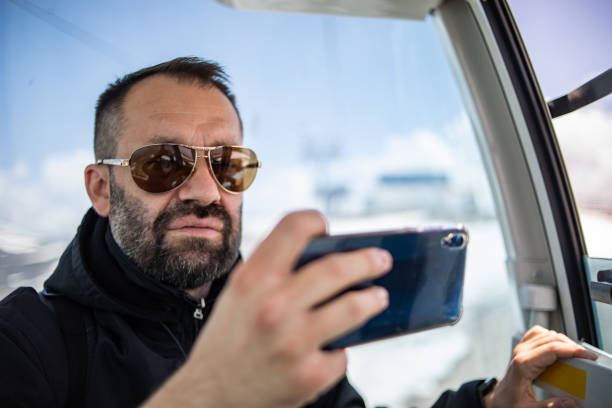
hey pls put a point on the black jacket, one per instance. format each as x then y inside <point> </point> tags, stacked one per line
<point>137,332</point>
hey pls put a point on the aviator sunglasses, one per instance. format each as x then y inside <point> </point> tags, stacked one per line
<point>159,168</point>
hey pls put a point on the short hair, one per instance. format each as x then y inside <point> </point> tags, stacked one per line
<point>109,109</point>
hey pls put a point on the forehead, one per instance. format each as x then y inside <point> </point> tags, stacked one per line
<point>164,109</point>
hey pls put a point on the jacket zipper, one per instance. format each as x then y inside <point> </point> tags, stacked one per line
<point>197,313</point>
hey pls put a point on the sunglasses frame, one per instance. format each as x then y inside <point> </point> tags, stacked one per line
<point>200,151</point>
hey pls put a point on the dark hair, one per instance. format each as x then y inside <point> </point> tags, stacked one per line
<point>109,112</point>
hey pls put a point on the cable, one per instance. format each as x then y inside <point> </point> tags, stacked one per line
<point>74,31</point>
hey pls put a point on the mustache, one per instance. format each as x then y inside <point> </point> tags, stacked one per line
<point>181,209</point>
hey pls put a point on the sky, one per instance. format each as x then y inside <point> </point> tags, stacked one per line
<point>287,69</point>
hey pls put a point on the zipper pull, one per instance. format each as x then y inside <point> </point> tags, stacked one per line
<point>197,313</point>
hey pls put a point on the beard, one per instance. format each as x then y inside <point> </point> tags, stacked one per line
<point>187,264</point>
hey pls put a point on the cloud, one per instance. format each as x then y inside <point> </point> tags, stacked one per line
<point>422,149</point>
<point>355,176</point>
<point>48,201</point>
<point>585,138</point>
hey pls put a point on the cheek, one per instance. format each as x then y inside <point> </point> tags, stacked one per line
<point>152,205</point>
<point>233,205</point>
<point>124,176</point>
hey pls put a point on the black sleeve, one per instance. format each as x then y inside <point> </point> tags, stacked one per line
<point>466,396</point>
<point>342,395</point>
<point>31,373</point>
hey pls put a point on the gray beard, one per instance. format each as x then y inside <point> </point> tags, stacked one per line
<point>188,264</point>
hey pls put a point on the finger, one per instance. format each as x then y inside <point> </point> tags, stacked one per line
<point>558,402</point>
<point>546,338</point>
<point>323,368</point>
<point>581,352</point>
<point>281,249</point>
<point>534,331</point>
<point>347,312</point>
<point>584,353</point>
<point>532,363</point>
<point>319,280</point>
<point>550,336</point>
<point>539,336</point>
<point>532,340</point>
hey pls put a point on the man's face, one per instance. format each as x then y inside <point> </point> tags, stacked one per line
<point>189,236</point>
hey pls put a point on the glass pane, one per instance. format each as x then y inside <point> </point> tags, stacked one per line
<point>585,138</point>
<point>603,311</point>
<point>563,60</point>
<point>358,117</point>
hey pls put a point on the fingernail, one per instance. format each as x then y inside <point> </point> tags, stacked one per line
<point>384,258</point>
<point>568,403</point>
<point>589,354</point>
<point>382,295</point>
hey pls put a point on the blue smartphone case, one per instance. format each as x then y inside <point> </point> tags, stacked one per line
<point>425,284</point>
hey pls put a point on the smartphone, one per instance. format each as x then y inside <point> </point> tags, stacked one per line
<point>425,284</point>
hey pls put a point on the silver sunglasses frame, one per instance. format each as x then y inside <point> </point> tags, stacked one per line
<point>200,151</point>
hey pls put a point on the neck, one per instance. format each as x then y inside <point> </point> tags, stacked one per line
<point>201,292</point>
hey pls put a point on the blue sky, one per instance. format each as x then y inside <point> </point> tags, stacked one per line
<point>298,76</point>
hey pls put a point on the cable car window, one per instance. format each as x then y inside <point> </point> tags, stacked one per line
<point>574,71</point>
<point>584,135</point>
<point>360,118</point>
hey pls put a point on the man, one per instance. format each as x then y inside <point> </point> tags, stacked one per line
<point>142,307</point>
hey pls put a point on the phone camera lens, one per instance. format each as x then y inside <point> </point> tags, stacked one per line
<point>454,241</point>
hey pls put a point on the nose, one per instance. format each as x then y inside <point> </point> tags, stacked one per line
<point>201,186</point>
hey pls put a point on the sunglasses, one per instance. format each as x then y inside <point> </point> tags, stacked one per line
<point>159,168</point>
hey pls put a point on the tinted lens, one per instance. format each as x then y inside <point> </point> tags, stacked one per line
<point>161,168</point>
<point>234,167</point>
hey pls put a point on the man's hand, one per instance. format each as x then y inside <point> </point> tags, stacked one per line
<point>538,349</point>
<point>262,344</point>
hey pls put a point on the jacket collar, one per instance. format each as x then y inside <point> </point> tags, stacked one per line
<point>95,272</point>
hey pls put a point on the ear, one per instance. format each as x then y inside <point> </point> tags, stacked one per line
<point>97,183</point>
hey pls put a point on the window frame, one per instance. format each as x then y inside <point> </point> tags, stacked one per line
<point>534,199</point>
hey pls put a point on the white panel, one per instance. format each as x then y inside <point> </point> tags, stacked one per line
<point>406,9</point>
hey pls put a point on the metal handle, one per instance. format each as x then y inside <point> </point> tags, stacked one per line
<point>601,292</point>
